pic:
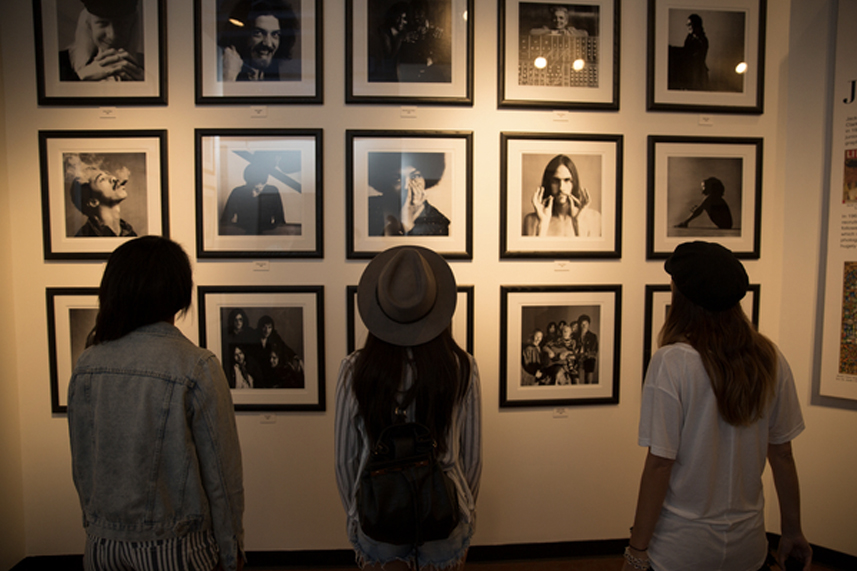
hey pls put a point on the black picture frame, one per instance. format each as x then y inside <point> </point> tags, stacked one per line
<point>682,171</point>
<point>567,63</point>
<point>569,376</point>
<point>462,320</point>
<point>59,24</point>
<point>302,309</point>
<point>658,297</point>
<point>290,161</point>
<point>71,313</point>
<point>72,217</point>
<point>298,77</point>
<point>597,162</point>
<point>373,165</point>
<point>716,65</point>
<point>429,64</point>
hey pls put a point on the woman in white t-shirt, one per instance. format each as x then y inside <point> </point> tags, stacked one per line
<point>719,398</point>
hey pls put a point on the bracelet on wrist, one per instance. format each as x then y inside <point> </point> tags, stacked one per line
<point>631,545</point>
<point>636,562</point>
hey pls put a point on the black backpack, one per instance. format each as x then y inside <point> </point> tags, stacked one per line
<point>404,497</point>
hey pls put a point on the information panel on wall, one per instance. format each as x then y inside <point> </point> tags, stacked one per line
<point>839,348</point>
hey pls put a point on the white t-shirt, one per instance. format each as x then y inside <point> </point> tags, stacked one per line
<point>712,516</point>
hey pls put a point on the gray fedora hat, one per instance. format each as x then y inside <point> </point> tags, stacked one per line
<point>407,295</point>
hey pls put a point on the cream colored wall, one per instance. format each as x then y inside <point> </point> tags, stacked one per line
<point>11,484</point>
<point>546,477</point>
<point>827,451</point>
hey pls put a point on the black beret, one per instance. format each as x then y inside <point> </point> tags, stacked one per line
<point>708,275</point>
<point>110,8</point>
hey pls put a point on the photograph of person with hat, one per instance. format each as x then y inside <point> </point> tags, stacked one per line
<point>107,43</point>
<point>718,400</point>
<point>403,183</point>
<point>406,298</point>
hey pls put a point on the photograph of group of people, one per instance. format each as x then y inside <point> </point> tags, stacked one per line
<point>561,345</point>
<point>262,347</point>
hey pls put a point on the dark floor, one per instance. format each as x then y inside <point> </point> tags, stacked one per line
<point>604,563</point>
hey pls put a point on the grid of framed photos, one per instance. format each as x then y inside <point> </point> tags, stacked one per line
<point>259,192</point>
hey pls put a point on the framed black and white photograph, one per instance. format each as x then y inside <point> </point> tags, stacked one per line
<point>71,321</point>
<point>101,52</point>
<point>560,196</point>
<point>101,188</point>
<point>258,52</point>
<point>462,320</point>
<point>409,52</point>
<point>706,56</point>
<point>270,340</point>
<point>559,345</point>
<point>259,193</point>
<point>556,54</point>
<point>409,188</point>
<point>704,188</point>
<point>658,299</point>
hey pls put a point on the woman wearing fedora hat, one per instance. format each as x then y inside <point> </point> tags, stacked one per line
<point>718,399</point>
<point>406,298</point>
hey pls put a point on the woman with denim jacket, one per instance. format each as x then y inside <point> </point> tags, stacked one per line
<point>155,454</point>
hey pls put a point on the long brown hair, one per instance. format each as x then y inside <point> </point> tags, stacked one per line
<point>741,362</point>
<point>441,371</point>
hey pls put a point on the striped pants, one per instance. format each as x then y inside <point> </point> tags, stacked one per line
<point>194,552</point>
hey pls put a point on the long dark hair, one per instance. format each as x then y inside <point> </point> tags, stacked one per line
<point>146,280</point>
<point>550,169</point>
<point>441,373</point>
<point>741,362</point>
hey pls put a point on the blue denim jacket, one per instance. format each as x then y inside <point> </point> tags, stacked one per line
<point>155,450</point>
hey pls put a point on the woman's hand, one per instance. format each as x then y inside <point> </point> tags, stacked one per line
<point>415,202</point>
<point>543,210</point>
<point>641,556</point>
<point>797,547</point>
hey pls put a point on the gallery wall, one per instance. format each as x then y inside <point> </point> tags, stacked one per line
<point>550,474</point>
<point>826,452</point>
<point>12,497</point>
